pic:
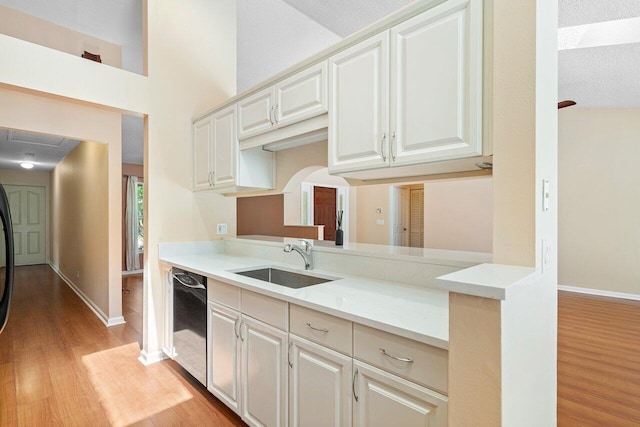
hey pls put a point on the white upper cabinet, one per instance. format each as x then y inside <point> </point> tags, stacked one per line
<point>359,99</point>
<point>202,153</point>
<point>297,98</point>
<point>225,148</point>
<point>410,95</point>
<point>218,163</point>
<point>436,81</point>
<point>301,96</point>
<point>255,114</point>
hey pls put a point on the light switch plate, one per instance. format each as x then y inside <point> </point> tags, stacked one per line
<point>380,221</point>
<point>546,195</point>
<point>222,229</point>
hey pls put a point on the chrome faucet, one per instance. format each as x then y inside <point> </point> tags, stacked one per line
<point>306,251</point>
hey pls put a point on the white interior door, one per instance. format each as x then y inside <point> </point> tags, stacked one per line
<point>416,221</point>
<point>28,215</point>
<point>399,210</point>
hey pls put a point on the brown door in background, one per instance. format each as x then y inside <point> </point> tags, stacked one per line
<point>324,210</point>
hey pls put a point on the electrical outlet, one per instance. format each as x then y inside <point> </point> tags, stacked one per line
<point>222,228</point>
<point>77,274</point>
<point>380,221</point>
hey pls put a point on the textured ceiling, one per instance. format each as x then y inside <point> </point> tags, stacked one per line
<point>600,76</point>
<point>346,17</point>
<point>48,150</point>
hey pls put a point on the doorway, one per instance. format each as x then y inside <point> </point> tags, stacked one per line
<point>324,210</point>
<point>407,215</point>
<point>28,215</point>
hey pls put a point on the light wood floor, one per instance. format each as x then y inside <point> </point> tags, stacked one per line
<point>59,365</point>
<point>598,361</point>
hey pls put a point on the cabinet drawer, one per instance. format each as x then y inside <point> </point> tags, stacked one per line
<point>429,364</point>
<point>269,310</point>
<point>321,328</point>
<point>223,293</point>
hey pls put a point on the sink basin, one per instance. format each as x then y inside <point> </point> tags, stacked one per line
<point>286,278</point>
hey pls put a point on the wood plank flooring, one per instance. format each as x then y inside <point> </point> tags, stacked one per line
<point>59,365</point>
<point>598,361</point>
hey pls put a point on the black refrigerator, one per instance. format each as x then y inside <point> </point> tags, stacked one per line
<point>6,258</point>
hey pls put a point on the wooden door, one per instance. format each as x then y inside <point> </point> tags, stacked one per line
<point>359,106</point>
<point>416,218</point>
<point>224,355</point>
<point>319,386</point>
<point>28,214</point>
<point>382,399</point>
<point>436,84</point>
<point>264,374</point>
<point>324,210</point>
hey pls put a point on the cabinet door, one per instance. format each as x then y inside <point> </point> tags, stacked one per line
<point>436,84</point>
<point>223,355</point>
<point>302,96</point>
<point>202,153</point>
<point>386,400</point>
<point>358,113</point>
<point>319,386</point>
<point>264,374</point>
<point>255,114</point>
<point>225,148</point>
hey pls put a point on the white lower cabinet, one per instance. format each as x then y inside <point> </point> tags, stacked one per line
<point>264,374</point>
<point>382,399</point>
<point>247,366</point>
<point>319,385</point>
<point>224,350</point>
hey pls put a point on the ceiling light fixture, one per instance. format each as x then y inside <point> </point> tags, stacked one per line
<point>28,161</point>
<point>607,33</point>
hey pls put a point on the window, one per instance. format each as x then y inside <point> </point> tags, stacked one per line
<point>140,206</point>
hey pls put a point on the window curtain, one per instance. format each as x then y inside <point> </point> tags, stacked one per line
<point>131,226</point>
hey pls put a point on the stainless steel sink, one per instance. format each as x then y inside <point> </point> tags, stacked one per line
<point>286,278</point>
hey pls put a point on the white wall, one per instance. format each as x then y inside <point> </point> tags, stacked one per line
<point>599,199</point>
<point>272,36</point>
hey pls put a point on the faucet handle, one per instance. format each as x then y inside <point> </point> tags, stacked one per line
<point>288,248</point>
<point>306,244</point>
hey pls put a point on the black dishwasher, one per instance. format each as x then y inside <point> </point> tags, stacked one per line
<point>190,322</point>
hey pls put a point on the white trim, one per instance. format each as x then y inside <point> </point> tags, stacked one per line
<point>113,321</point>
<point>598,292</point>
<point>153,357</point>
<point>96,310</point>
<point>132,272</point>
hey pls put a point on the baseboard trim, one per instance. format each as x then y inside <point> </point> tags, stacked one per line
<point>113,321</point>
<point>96,310</point>
<point>149,358</point>
<point>598,292</point>
<point>132,272</point>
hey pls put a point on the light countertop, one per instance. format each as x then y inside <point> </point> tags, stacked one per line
<point>414,312</point>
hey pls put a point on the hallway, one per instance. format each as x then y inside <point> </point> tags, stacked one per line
<point>59,365</point>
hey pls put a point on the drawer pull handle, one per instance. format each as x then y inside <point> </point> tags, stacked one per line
<point>401,359</point>
<point>325,330</point>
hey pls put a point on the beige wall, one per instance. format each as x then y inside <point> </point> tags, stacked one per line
<point>30,112</point>
<point>458,214</point>
<point>370,198</point>
<point>80,225</point>
<point>599,201</point>
<point>23,26</point>
<point>192,68</point>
